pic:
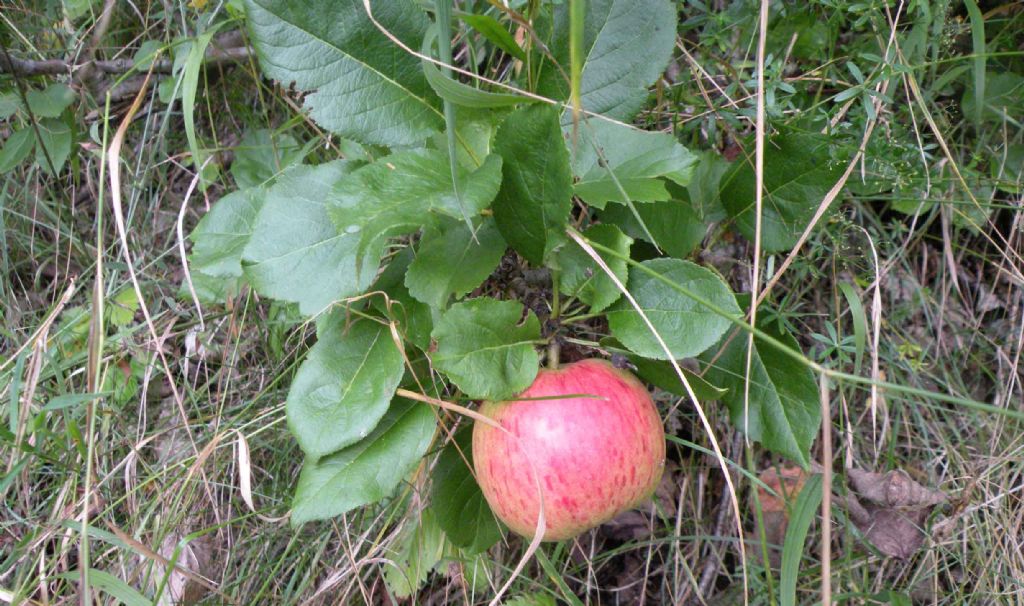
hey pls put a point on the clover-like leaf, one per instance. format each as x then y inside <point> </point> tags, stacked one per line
<point>368,470</point>
<point>361,84</point>
<point>687,326</point>
<point>484,349</point>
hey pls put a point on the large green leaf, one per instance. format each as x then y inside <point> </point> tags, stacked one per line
<point>532,207</point>
<point>484,350</point>
<point>461,509</point>
<point>584,279</point>
<point>676,229</point>
<point>414,319</point>
<point>626,44</point>
<point>366,87</point>
<point>295,252</point>
<point>452,260</point>
<point>367,471</point>
<point>344,385</point>
<point>223,233</point>
<point>395,195</point>
<point>798,172</point>
<point>640,161</point>
<point>784,411</point>
<point>686,326</point>
<point>662,374</point>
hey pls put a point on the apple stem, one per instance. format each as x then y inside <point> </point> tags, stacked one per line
<point>556,310</point>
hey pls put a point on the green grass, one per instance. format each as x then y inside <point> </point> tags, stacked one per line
<point>167,472</point>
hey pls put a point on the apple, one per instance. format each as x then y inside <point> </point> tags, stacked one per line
<point>596,453</point>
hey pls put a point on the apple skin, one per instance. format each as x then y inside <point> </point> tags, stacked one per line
<point>596,456</point>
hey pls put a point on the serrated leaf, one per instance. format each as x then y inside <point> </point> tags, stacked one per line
<point>396,194</point>
<point>366,87</point>
<point>55,136</point>
<point>17,147</point>
<point>484,350</point>
<point>581,276</point>
<point>627,45</point>
<point>417,551</point>
<point>676,229</point>
<point>296,253</point>
<point>367,471</point>
<point>785,413</point>
<point>798,172</point>
<point>50,102</point>
<point>123,307</point>
<point>532,207</point>
<point>450,263</point>
<point>661,374</point>
<point>261,155</point>
<point>640,161</point>
<point>462,511</point>
<point>344,385</point>
<point>222,234</point>
<point>686,326</point>
<point>9,103</point>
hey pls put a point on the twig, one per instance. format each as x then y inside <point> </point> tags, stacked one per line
<point>10,64</point>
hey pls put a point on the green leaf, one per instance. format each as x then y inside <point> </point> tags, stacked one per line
<point>9,103</point>
<point>111,585</point>
<point>532,599</point>
<point>686,326</point>
<point>449,262</point>
<point>295,252</point>
<point>581,276</point>
<point>484,350</point>
<point>798,172</point>
<point>222,234</point>
<point>784,412</point>
<point>261,156</point>
<point>344,385</point>
<point>17,147</point>
<point>51,102</point>
<point>704,189</point>
<point>461,509</point>
<point>416,552</point>
<point>640,161</point>
<point>532,207</point>
<point>123,306</point>
<point>676,229</point>
<point>627,45</point>
<point>395,195</point>
<point>367,471</point>
<point>661,374</point>
<point>147,52</point>
<point>366,87</point>
<point>490,28</point>
<point>55,136</point>
<point>793,550</point>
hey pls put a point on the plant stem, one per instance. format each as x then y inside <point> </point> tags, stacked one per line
<point>556,310</point>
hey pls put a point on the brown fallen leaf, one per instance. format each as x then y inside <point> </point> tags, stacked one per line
<point>786,483</point>
<point>891,510</point>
